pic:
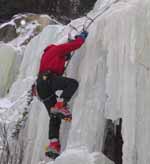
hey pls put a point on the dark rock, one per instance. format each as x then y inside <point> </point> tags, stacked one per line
<point>113,141</point>
<point>8,33</point>
<point>14,28</point>
<point>64,10</point>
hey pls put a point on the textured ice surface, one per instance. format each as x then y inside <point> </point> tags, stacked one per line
<point>127,83</point>
<point>113,69</point>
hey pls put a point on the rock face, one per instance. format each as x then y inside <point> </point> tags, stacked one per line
<point>63,10</point>
<point>8,33</point>
<point>24,25</point>
<point>113,141</point>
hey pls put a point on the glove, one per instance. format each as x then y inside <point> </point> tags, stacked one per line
<point>70,40</point>
<point>83,35</point>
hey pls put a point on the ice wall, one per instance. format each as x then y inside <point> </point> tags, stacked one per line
<point>88,109</point>
<point>121,35</point>
<point>113,71</point>
<point>127,83</point>
<point>36,133</point>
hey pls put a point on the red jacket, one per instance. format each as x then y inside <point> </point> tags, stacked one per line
<point>53,58</point>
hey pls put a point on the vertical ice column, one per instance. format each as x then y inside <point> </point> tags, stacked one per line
<point>8,57</point>
<point>142,60</point>
<point>88,122</point>
<point>121,76</point>
<point>127,38</point>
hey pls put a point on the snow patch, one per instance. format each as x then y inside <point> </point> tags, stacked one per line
<point>81,156</point>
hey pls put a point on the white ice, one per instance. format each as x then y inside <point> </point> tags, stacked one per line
<point>113,69</point>
<point>8,68</point>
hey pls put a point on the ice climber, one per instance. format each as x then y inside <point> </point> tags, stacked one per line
<point>50,79</point>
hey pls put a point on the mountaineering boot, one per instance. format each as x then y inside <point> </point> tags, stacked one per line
<point>62,111</point>
<point>53,149</point>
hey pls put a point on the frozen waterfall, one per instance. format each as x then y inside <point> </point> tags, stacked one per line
<point>113,70</point>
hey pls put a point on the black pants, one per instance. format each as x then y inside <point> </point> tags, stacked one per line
<point>47,84</point>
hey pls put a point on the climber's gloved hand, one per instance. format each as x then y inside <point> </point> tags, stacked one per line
<point>68,56</point>
<point>83,35</point>
<point>70,39</point>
